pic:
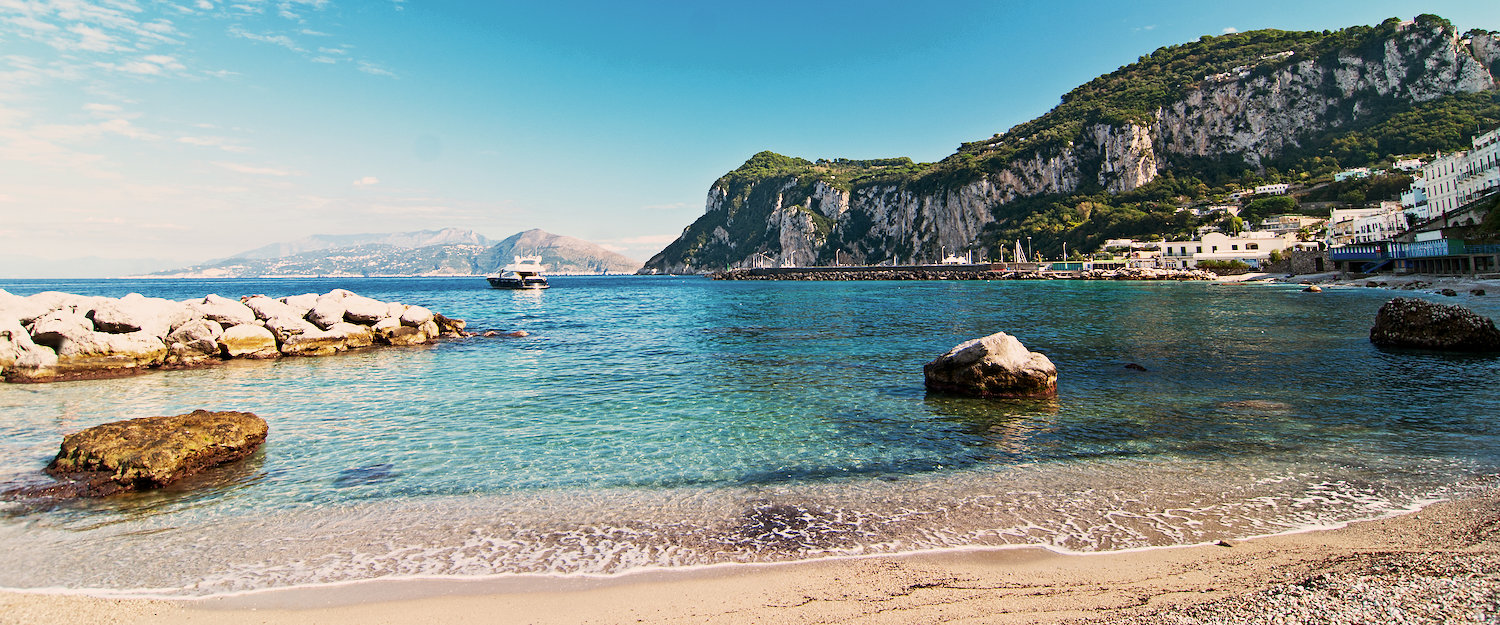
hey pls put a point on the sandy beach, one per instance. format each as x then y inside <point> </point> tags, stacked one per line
<point>1439,565</point>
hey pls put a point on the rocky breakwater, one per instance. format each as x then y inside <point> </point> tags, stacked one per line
<point>1417,323</point>
<point>995,366</point>
<point>60,336</point>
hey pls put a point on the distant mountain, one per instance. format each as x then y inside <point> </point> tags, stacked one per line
<point>447,252</point>
<point>559,254</point>
<point>408,240</point>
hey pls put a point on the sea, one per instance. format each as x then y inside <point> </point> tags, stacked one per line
<point>653,423</point>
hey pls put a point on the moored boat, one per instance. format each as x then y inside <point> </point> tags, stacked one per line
<point>524,273</point>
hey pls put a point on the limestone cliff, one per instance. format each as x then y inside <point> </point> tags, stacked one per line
<point>1246,100</point>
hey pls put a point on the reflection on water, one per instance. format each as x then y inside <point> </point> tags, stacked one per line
<point>672,422</point>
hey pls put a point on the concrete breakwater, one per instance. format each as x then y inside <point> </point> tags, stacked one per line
<point>55,336</point>
<point>995,271</point>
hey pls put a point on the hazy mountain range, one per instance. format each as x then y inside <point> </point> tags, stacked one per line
<point>446,252</point>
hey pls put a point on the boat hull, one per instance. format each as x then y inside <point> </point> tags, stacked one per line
<point>535,283</point>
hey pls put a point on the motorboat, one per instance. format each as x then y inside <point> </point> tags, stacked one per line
<point>525,273</point>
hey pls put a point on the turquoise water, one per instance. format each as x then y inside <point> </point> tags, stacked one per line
<point>670,422</point>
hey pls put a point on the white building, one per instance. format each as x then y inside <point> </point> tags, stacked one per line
<point>1351,174</point>
<point>1251,248</point>
<point>1285,224</point>
<point>1273,189</point>
<point>1409,164</point>
<point>1453,181</point>
<point>1365,225</point>
<point>1414,200</point>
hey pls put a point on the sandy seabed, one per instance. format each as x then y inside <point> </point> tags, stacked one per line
<point>1439,565</point>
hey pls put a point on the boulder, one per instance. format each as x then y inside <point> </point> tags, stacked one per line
<point>22,309</point>
<point>284,328</point>
<point>20,358</point>
<point>359,309</point>
<point>267,309</point>
<point>152,452</point>
<point>997,366</point>
<point>226,312</point>
<point>302,303</point>
<point>450,327</point>
<point>326,312</point>
<point>135,313</point>
<point>99,353</point>
<point>316,342</point>
<point>1410,322</point>
<point>55,327</point>
<point>402,335</point>
<point>248,341</point>
<point>194,342</point>
<point>1448,292</point>
<point>57,300</point>
<point>355,336</point>
<point>415,316</point>
<point>1476,291</point>
<point>1313,289</point>
<point>395,309</point>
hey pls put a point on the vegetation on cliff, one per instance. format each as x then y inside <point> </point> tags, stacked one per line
<point>1366,129</point>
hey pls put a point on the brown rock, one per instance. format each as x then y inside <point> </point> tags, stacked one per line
<point>1409,322</point>
<point>152,452</point>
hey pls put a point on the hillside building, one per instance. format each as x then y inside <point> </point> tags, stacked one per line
<point>1279,188</point>
<point>1285,224</point>
<point>1352,174</point>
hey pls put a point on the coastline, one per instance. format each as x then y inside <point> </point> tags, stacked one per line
<point>1448,547</point>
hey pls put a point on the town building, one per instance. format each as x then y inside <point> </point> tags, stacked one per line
<point>1251,248</point>
<point>1273,189</point>
<point>1352,174</point>
<point>1284,224</point>
<point>1451,182</point>
<point>1409,164</point>
<point>1347,226</point>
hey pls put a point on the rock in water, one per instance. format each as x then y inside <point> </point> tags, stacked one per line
<point>997,365</point>
<point>151,452</point>
<point>1410,322</point>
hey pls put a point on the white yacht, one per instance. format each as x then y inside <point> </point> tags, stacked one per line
<point>525,273</point>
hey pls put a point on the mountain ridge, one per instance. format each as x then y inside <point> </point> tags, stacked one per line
<point>1119,154</point>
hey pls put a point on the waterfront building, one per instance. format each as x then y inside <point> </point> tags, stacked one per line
<point>1451,182</point>
<point>1251,248</point>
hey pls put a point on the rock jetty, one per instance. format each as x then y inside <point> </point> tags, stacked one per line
<point>942,273</point>
<point>60,336</point>
<point>1418,323</point>
<point>150,452</point>
<point>995,366</point>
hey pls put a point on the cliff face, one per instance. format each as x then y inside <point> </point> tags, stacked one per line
<point>1255,113</point>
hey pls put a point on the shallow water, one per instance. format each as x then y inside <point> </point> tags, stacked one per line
<point>679,421</point>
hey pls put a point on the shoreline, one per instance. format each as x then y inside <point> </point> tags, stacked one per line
<point>1000,585</point>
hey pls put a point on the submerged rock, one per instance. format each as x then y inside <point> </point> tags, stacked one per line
<point>152,452</point>
<point>1409,322</point>
<point>997,366</point>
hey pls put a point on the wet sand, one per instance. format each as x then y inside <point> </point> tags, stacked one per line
<point>1439,565</point>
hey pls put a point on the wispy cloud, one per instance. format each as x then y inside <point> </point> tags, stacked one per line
<point>227,145</point>
<point>375,70</point>
<point>367,181</point>
<point>255,170</point>
<point>1231,30</point>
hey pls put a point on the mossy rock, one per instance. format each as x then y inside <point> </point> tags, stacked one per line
<point>152,452</point>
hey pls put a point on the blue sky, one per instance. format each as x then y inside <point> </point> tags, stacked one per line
<point>195,129</point>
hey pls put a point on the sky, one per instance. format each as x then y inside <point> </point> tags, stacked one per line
<point>189,130</point>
